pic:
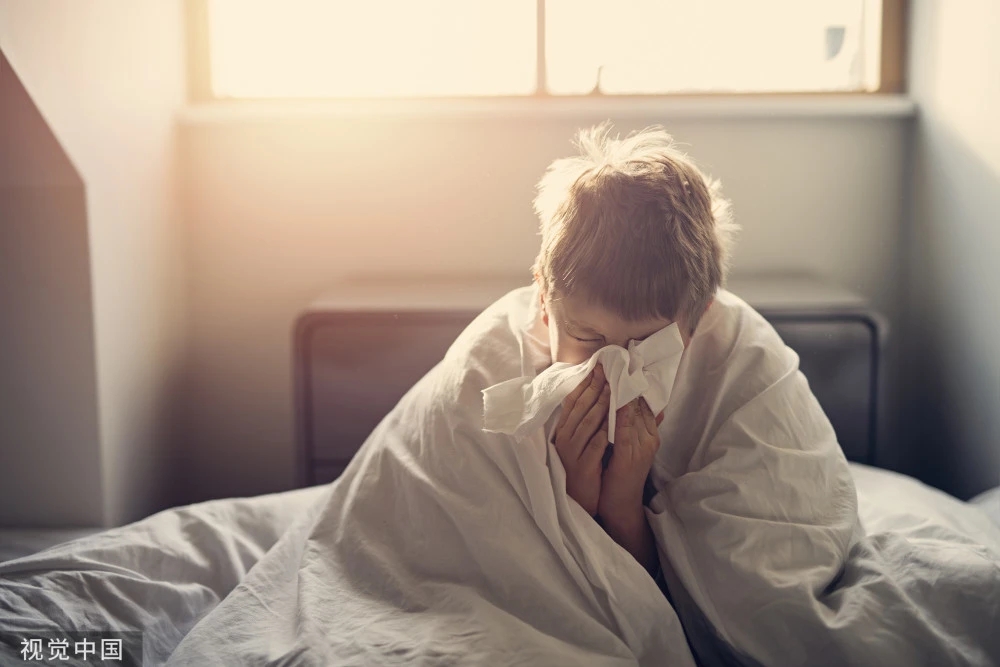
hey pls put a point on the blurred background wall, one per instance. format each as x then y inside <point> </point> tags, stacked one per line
<point>950,335</point>
<point>210,227</point>
<point>279,208</point>
<point>108,77</point>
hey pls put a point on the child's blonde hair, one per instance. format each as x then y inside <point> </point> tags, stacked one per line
<point>634,226</point>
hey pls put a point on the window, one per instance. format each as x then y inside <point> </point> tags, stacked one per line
<point>372,48</point>
<point>252,49</point>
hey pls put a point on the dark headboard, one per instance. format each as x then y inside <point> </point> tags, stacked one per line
<point>357,352</point>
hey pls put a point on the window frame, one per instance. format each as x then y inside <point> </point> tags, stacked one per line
<point>892,79</point>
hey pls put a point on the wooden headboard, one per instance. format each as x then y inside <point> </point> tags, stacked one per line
<point>358,349</point>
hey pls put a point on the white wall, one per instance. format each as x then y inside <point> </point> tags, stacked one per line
<point>280,207</point>
<point>46,325</point>
<point>277,208</point>
<point>954,226</point>
<point>108,75</point>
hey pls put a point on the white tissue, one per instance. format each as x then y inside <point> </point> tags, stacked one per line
<point>646,369</point>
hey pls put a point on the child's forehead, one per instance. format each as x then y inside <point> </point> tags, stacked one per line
<point>580,309</point>
<point>584,314</point>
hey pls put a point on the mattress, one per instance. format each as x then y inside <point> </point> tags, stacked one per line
<point>19,542</point>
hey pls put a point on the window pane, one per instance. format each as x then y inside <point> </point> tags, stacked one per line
<point>663,46</point>
<point>375,48</point>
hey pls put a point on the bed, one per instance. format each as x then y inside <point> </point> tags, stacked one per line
<point>165,573</point>
<point>839,340</point>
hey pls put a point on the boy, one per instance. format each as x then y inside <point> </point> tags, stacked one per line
<point>749,505</point>
<point>634,238</point>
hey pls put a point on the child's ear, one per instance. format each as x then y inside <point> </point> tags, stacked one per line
<point>541,298</point>
<point>545,309</point>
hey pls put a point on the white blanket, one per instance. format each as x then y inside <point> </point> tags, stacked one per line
<point>757,524</point>
<point>80,585</point>
<point>443,544</point>
<point>160,575</point>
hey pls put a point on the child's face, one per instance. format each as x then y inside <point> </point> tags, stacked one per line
<point>578,329</point>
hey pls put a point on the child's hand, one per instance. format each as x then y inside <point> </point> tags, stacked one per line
<point>581,437</point>
<point>636,443</point>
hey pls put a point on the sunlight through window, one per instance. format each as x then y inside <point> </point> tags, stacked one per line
<point>377,48</point>
<point>463,48</point>
<point>663,46</point>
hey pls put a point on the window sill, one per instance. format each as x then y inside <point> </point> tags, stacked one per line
<point>694,108</point>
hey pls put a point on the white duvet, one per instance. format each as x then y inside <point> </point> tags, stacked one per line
<point>442,544</point>
<point>160,575</point>
<point>768,558</point>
